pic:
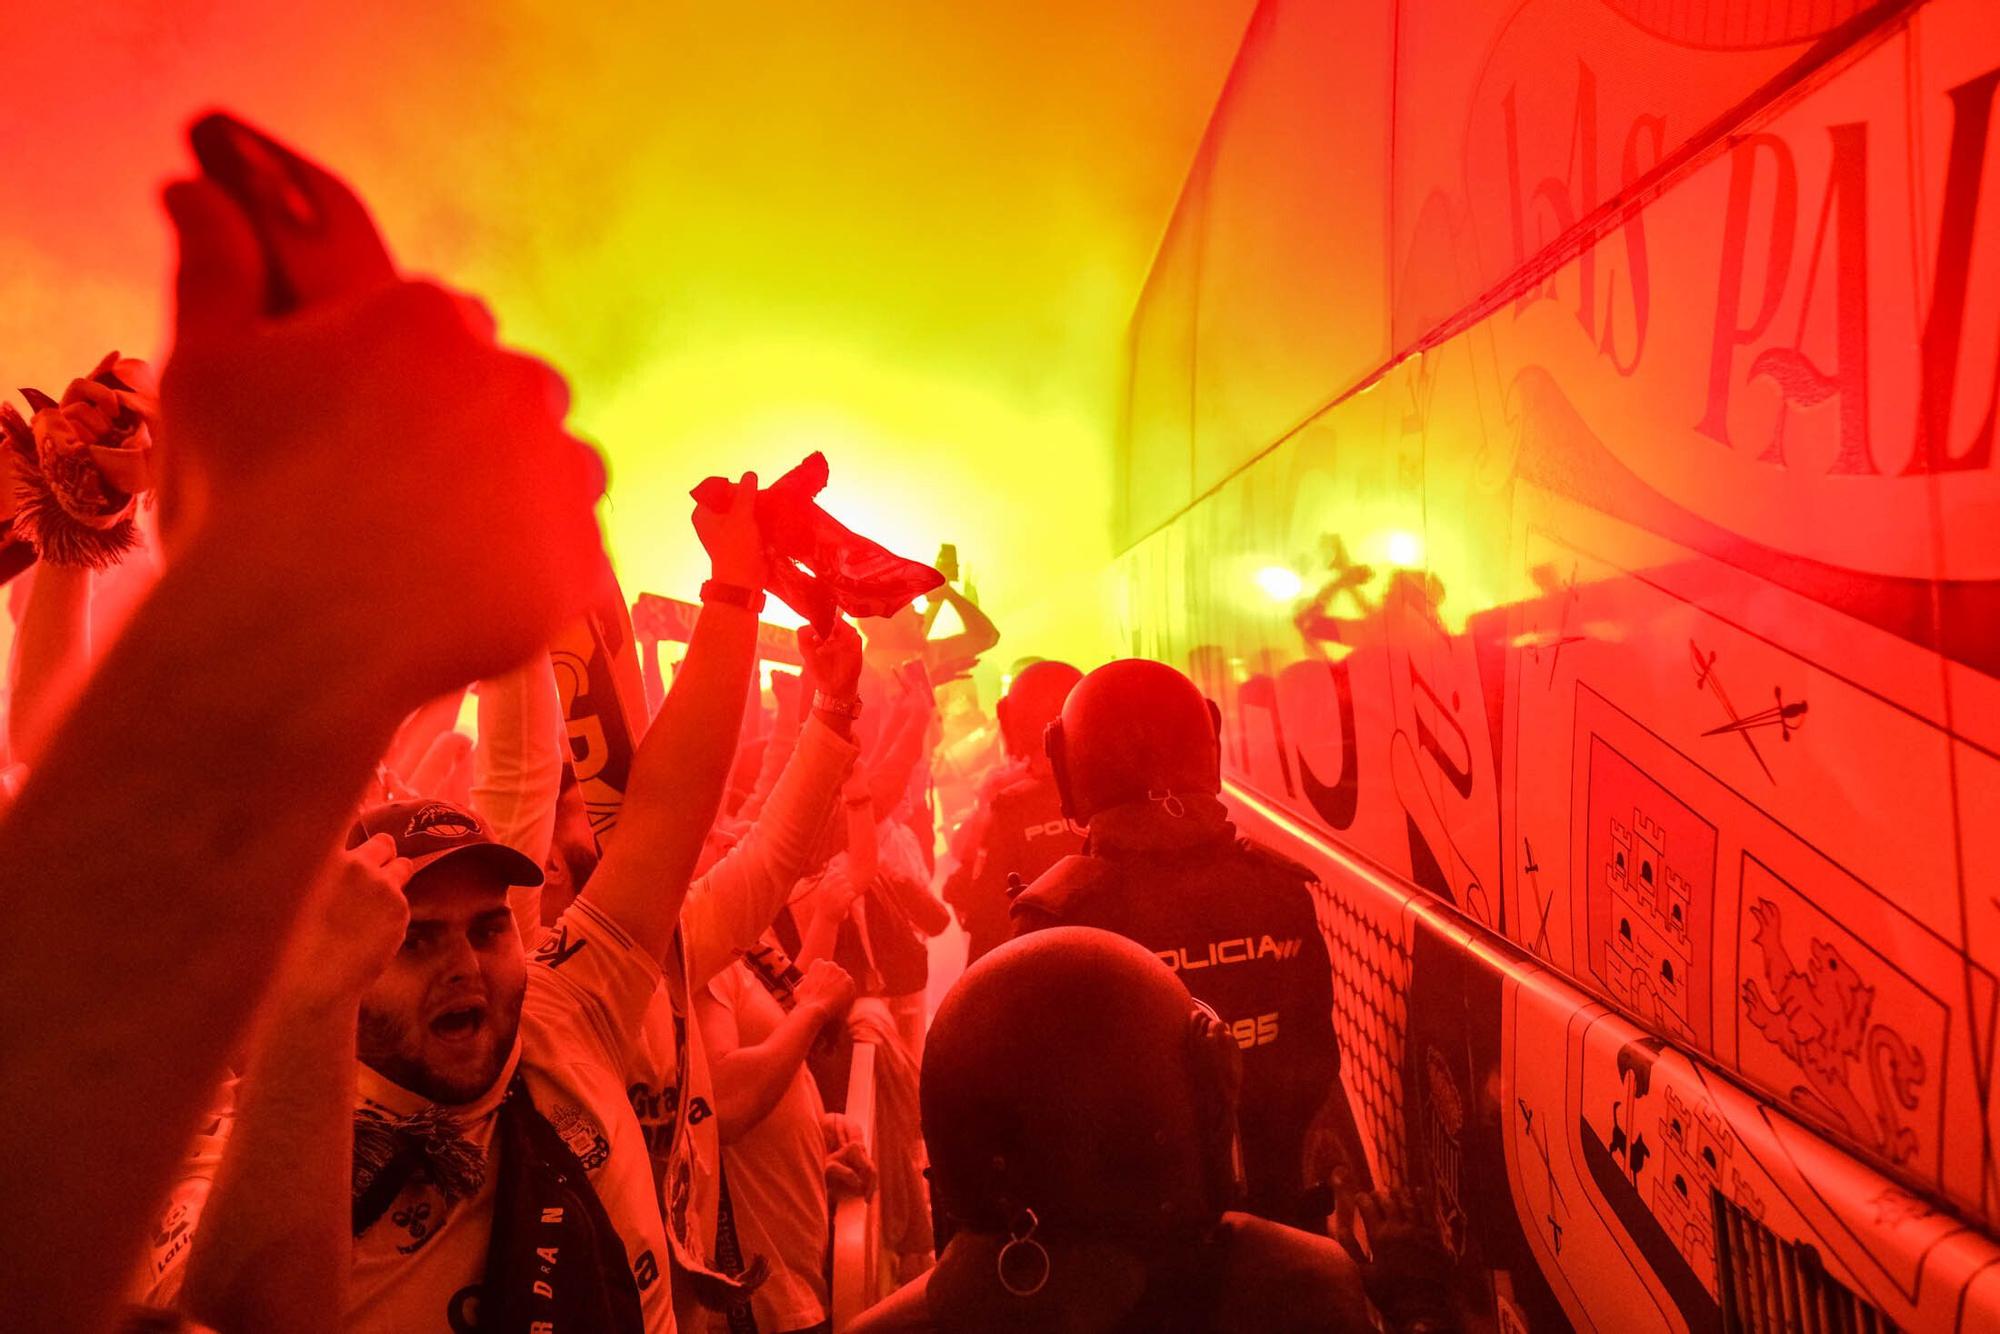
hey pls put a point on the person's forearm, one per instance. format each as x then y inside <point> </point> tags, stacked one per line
<point>736,900</point>
<point>215,784</point>
<point>918,903</point>
<point>956,891</point>
<point>419,731</point>
<point>979,625</point>
<point>517,770</point>
<point>821,935</point>
<point>677,781</point>
<point>438,774</point>
<point>889,779</point>
<point>274,1245</point>
<point>778,748</point>
<point>52,655</point>
<point>750,1080</point>
<point>649,672</point>
<point>980,633</point>
<point>863,850</point>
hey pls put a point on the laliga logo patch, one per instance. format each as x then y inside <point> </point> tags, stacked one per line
<point>441,821</point>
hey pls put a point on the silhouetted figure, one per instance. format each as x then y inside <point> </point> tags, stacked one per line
<point>1019,828</point>
<point>1078,1108</point>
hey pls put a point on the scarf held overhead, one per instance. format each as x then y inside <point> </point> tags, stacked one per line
<point>819,566</point>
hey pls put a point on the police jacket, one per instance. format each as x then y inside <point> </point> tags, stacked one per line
<point>1235,921</point>
<point>1021,832</point>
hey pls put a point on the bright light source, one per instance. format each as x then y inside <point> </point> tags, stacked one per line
<point>1405,549</point>
<point>1279,583</point>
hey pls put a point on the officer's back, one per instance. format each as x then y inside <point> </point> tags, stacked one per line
<point>1135,757</point>
<point>1019,829</point>
<point>1022,832</point>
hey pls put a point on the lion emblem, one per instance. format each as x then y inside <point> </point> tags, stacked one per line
<point>1819,1019</point>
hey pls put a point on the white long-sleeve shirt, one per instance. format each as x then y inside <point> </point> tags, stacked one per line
<point>725,912</point>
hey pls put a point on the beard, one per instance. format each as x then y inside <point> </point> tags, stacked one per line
<point>455,1058</point>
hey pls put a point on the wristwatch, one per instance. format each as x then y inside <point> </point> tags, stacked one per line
<point>733,595</point>
<point>849,708</point>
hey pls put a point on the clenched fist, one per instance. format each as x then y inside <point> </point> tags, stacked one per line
<point>828,989</point>
<point>734,542</point>
<point>833,659</point>
<point>352,926</point>
<point>360,439</point>
<point>849,1169</point>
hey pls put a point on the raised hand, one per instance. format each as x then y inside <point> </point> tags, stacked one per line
<point>365,503</point>
<point>833,659</point>
<point>787,688</point>
<point>837,891</point>
<point>371,447</point>
<point>352,926</point>
<point>652,617</point>
<point>827,988</point>
<point>734,543</point>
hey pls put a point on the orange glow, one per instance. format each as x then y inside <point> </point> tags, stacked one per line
<point>1280,584</point>
<point>1404,549</point>
<point>910,235</point>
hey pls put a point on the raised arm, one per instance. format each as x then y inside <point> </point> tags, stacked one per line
<point>793,703</point>
<point>826,909</point>
<point>857,810</point>
<point>678,775</point>
<point>963,648</point>
<point>650,673</point>
<point>730,906</point>
<point>51,655</point>
<point>749,1080</point>
<point>224,738</point>
<point>517,771</point>
<point>846,877</point>
<point>419,732</point>
<point>273,1246</point>
<point>902,747</point>
<point>901,879</point>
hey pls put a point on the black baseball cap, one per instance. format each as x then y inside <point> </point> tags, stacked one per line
<point>427,832</point>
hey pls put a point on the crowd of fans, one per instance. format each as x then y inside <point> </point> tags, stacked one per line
<point>386,962</point>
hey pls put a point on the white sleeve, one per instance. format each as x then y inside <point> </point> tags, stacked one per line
<point>158,1283</point>
<point>778,748</point>
<point>517,768</point>
<point>728,908</point>
<point>591,985</point>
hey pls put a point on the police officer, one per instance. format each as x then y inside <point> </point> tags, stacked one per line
<point>1135,757</point>
<point>1019,827</point>
<point>1077,1116</point>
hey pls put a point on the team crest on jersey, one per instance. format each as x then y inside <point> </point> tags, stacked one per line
<point>582,1134</point>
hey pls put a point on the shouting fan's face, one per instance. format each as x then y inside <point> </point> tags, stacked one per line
<point>441,1018</point>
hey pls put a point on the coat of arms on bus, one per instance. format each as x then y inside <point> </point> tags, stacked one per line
<point>1818,1013</point>
<point>1650,887</point>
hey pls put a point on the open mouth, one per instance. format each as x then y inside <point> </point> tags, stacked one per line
<point>460,1024</point>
